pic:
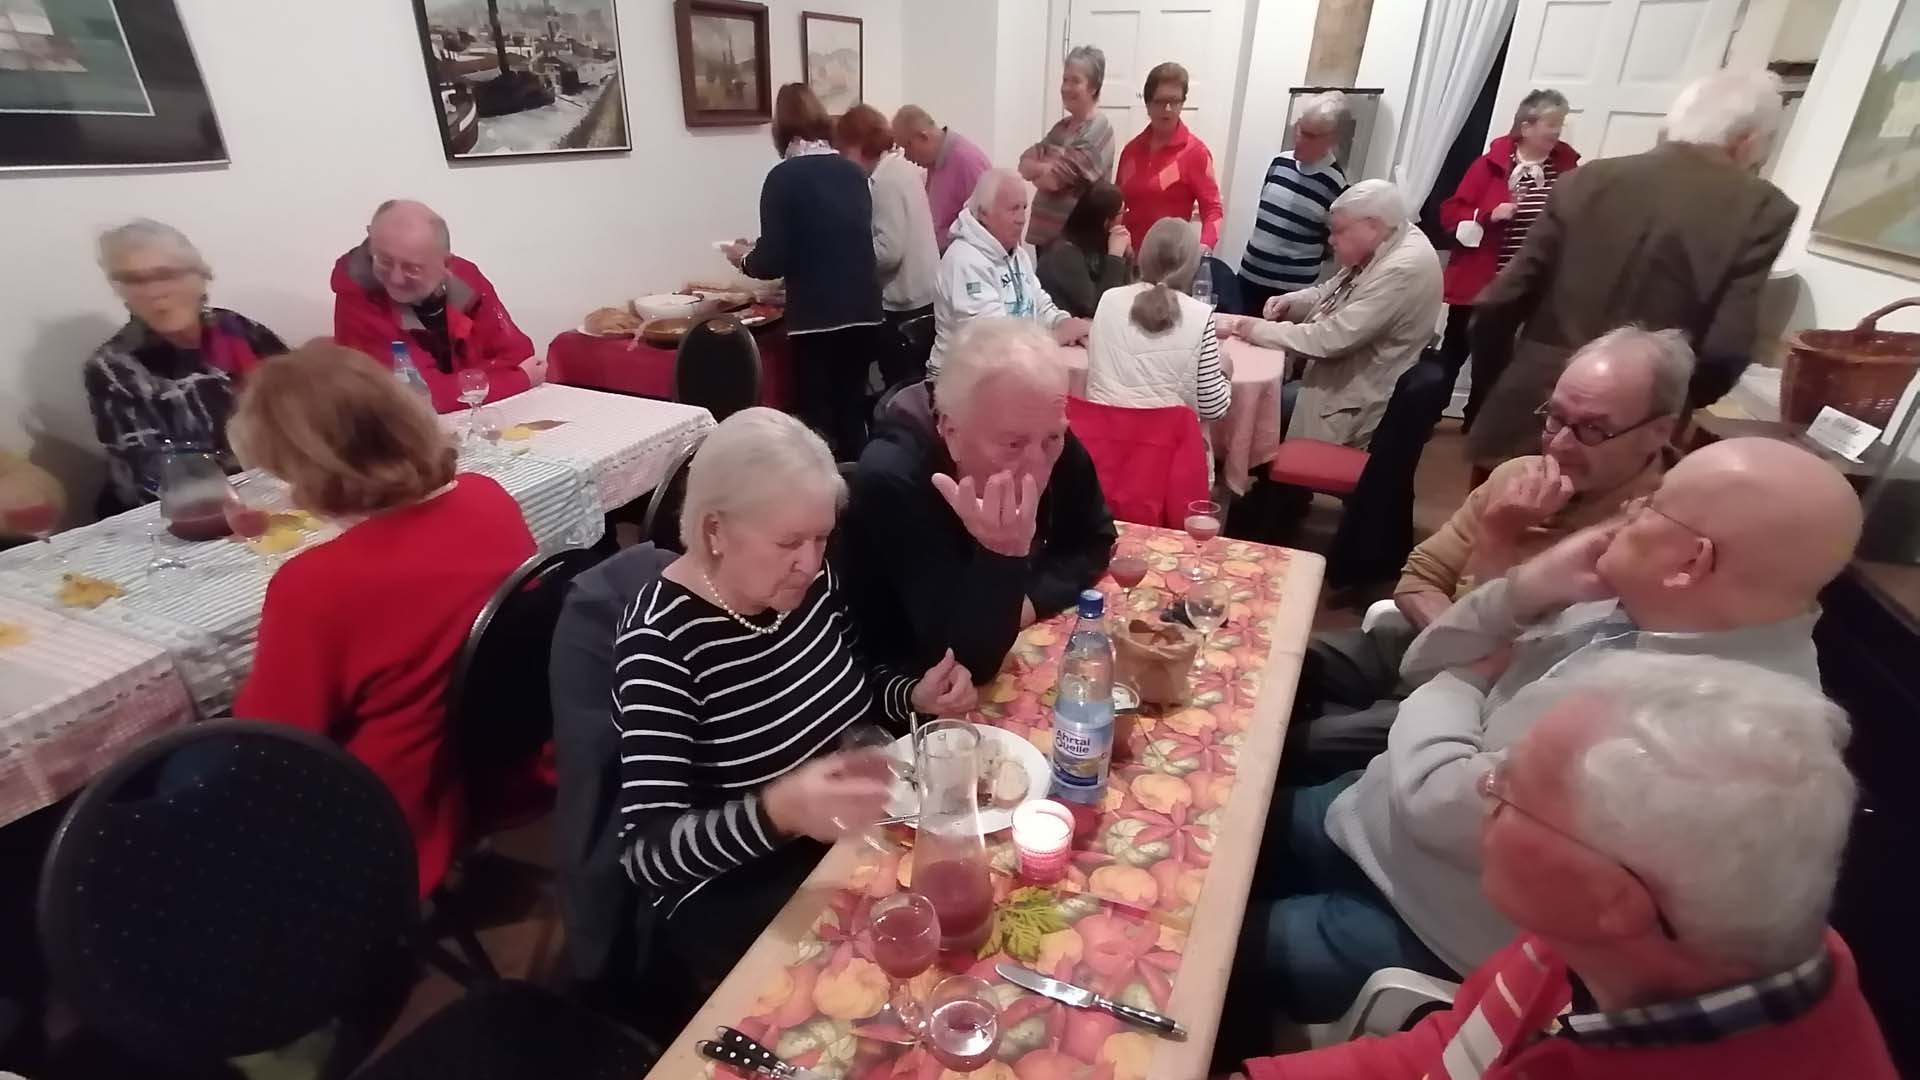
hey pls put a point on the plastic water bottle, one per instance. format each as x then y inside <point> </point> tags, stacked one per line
<point>1083,711</point>
<point>1203,286</point>
<point>404,370</point>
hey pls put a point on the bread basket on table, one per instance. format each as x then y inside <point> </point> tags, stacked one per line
<point>1861,372</point>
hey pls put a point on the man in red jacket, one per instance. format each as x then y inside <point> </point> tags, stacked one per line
<point>1667,836</point>
<point>404,283</point>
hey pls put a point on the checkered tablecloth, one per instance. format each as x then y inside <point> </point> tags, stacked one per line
<point>624,443</point>
<point>72,697</point>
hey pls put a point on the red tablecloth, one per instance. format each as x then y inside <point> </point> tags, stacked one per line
<point>628,366</point>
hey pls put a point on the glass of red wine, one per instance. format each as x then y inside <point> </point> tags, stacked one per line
<point>1203,524</point>
<point>963,1023</point>
<point>904,932</point>
<point>38,520</point>
<point>1129,569</point>
<point>249,522</point>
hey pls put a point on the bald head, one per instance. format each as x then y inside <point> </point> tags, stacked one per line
<point>410,246</point>
<point>917,135</point>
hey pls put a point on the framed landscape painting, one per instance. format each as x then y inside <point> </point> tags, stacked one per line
<point>513,79</point>
<point>835,58</point>
<point>101,83</point>
<point>1872,206</point>
<point>725,69</point>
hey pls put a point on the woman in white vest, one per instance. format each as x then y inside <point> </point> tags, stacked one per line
<point>1152,345</point>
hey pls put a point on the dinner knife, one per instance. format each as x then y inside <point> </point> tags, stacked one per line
<point>737,1049</point>
<point>1080,998</point>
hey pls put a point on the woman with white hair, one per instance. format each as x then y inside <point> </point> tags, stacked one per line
<point>1289,241</point>
<point>738,674</point>
<point>1076,151</point>
<point>1362,328</point>
<point>1152,345</point>
<point>167,380</point>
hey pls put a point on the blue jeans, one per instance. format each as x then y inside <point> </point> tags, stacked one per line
<point>1316,928</point>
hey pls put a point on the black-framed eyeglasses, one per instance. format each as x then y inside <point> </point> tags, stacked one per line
<point>1586,432</point>
<point>1493,788</point>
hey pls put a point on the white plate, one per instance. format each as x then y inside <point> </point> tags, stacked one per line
<point>1039,776</point>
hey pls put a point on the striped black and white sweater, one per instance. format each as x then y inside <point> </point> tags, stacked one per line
<point>709,713</point>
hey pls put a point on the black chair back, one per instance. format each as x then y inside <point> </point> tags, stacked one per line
<point>660,525</point>
<point>718,367</point>
<point>1376,530</point>
<point>500,712</point>
<point>225,889</point>
<point>1226,283</point>
<point>883,407</point>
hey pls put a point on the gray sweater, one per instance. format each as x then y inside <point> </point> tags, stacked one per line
<point>1412,822</point>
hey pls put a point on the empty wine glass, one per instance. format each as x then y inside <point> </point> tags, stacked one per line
<point>963,1023</point>
<point>39,520</point>
<point>473,390</point>
<point>1203,524</point>
<point>1129,568</point>
<point>163,566</point>
<point>904,931</point>
<point>1207,610</point>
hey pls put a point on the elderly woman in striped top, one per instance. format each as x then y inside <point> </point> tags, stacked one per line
<point>737,676</point>
<point>1502,193</point>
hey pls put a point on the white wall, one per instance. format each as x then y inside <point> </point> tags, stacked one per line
<point>1020,84</point>
<point>949,61</point>
<point>326,111</point>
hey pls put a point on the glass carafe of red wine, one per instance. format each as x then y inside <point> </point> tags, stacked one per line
<point>194,494</point>
<point>950,851</point>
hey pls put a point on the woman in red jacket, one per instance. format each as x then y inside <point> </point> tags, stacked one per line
<point>360,633</point>
<point>1503,192</point>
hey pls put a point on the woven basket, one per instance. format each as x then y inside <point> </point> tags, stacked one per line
<point>1861,372</point>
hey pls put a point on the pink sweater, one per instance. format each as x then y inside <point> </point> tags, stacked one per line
<point>951,181</point>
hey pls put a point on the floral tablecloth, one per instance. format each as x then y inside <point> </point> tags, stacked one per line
<point>1118,923</point>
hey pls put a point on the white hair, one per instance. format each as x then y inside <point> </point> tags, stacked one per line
<point>1092,63</point>
<point>1722,785</point>
<point>755,457</point>
<point>1666,354</point>
<point>998,347</point>
<point>145,234</point>
<point>1725,107</point>
<point>433,219</point>
<point>1329,107</point>
<point>987,188</point>
<point>1377,199</point>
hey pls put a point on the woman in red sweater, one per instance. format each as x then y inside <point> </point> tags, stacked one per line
<point>359,635</point>
<point>1166,169</point>
<point>1503,192</point>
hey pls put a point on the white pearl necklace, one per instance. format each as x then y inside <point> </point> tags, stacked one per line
<point>772,628</point>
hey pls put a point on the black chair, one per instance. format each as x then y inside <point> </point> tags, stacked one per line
<point>883,407</point>
<point>718,367</point>
<point>1226,283</point>
<point>660,526</point>
<point>230,887</point>
<point>1375,534</point>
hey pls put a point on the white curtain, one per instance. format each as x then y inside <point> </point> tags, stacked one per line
<point>1461,39</point>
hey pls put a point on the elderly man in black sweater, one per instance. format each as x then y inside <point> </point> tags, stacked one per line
<point>974,517</point>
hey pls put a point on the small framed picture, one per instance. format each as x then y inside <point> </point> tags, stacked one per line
<point>835,58</point>
<point>725,68</point>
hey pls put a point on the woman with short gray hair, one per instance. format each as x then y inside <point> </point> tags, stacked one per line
<point>1077,151</point>
<point>1502,194</point>
<point>738,676</point>
<point>167,380</point>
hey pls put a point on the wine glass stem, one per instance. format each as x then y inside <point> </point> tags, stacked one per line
<point>900,995</point>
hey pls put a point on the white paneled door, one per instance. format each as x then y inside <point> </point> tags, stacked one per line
<point>1619,62</point>
<point>1201,35</point>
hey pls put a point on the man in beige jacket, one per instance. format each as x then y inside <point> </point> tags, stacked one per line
<point>1361,329</point>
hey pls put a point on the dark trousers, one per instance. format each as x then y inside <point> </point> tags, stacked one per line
<point>1350,692</point>
<point>830,383</point>
<point>1454,351</point>
<point>908,344</point>
<point>1254,296</point>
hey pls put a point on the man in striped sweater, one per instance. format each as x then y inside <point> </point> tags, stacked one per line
<point>1289,241</point>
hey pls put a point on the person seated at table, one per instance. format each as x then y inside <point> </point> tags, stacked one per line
<point>31,499</point>
<point>1673,919</point>
<point>1090,256</point>
<point>404,283</point>
<point>903,246</point>
<point>1361,329</point>
<point>816,231</point>
<point>359,634</point>
<point>168,378</point>
<point>1152,345</point>
<point>953,164</point>
<point>738,674</point>
<point>990,272</point>
<point>1603,440</point>
<point>965,527</point>
<point>1725,559</point>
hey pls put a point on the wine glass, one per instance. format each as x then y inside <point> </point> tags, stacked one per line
<point>473,391</point>
<point>963,1023</point>
<point>904,931</point>
<point>1203,524</point>
<point>1207,609</point>
<point>39,520</point>
<point>249,522</point>
<point>163,567</point>
<point>1129,569</point>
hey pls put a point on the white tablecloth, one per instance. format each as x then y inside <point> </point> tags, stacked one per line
<point>624,443</point>
<point>73,696</point>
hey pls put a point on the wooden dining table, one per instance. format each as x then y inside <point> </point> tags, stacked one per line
<point>1177,836</point>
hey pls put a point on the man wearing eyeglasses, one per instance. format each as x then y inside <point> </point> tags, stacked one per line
<point>404,283</point>
<point>1603,439</point>
<point>1381,868</point>
<point>1672,916</point>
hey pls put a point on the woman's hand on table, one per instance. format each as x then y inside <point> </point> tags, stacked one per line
<point>1230,326</point>
<point>536,369</point>
<point>945,690</point>
<point>830,796</point>
<point>1071,331</point>
<point>1001,517</point>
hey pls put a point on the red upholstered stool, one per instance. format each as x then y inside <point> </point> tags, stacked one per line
<point>1318,466</point>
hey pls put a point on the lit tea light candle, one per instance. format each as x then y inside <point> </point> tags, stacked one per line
<point>1043,836</point>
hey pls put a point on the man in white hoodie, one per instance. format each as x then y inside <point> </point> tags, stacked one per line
<point>988,270</point>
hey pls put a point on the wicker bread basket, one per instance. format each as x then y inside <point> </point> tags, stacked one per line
<point>1861,372</point>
